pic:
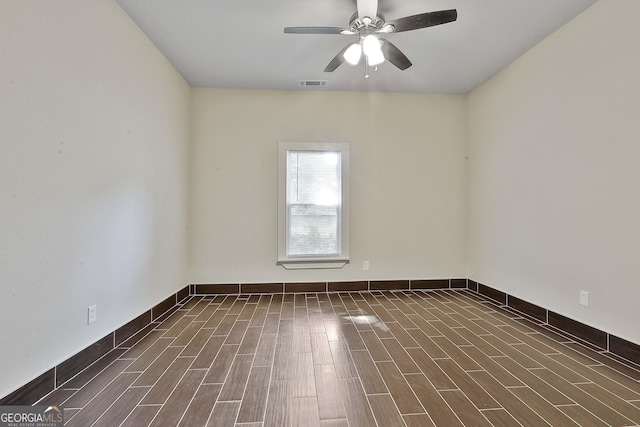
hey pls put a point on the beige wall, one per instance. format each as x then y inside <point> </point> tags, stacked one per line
<point>94,126</point>
<point>408,206</point>
<point>554,146</point>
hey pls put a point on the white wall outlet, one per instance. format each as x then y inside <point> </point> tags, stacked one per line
<point>365,265</point>
<point>584,298</point>
<point>92,314</point>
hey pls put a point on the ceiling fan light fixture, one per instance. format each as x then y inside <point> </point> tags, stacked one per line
<point>353,53</point>
<point>371,45</point>
<point>375,58</point>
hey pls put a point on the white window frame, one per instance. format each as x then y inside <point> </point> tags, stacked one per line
<point>308,262</point>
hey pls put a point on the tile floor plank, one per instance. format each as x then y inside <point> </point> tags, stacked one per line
<point>581,416</point>
<point>206,312</point>
<point>430,368</point>
<point>122,407</point>
<point>474,392</point>
<point>611,379</point>
<point>551,364</point>
<point>356,405</point>
<point>236,381</point>
<point>100,403</point>
<point>529,377</point>
<point>385,411</point>
<point>466,411</point>
<point>399,389</point>
<point>255,397</point>
<point>198,411</point>
<point>236,334</point>
<point>542,407</point>
<point>197,343</point>
<point>371,380</point>
<point>456,353</point>
<point>173,410</point>
<point>505,377</point>
<point>342,422</point>
<point>400,356</point>
<point>208,353</point>
<point>157,368</point>
<point>629,411</point>
<point>250,341</point>
<point>374,345</point>
<point>304,412</point>
<point>432,401</point>
<point>149,356</point>
<point>224,414</point>
<point>420,420</point>
<point>320,349</point>
<point>516,407</point>
<point>96,385</point>
<point>216,318</point>
<point>141,416</point>
<point>303,383</point>
<point>278,413</point>
<point>167,382</point>
<point>427,344</point>
<point>345,368</point>
<point>500,418</point>
<point>221,365</point>
<point>266,350</point>
<point>330,401</point>
<point>581,397</point>
<point>186,335</point>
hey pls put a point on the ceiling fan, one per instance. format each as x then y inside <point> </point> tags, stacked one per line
<point>367,24</point>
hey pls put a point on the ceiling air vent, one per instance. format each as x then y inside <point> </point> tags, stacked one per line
<point>312,83</point>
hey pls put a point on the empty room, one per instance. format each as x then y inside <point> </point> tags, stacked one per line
<point>303,213</point>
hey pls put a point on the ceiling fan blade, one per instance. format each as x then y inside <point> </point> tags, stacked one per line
<point>423,20</point>
<point>394,55</point>
<point>313,30</point>
<point>337,60</point>
<point>367,8</point>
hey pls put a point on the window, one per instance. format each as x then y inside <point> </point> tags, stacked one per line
<point>313,208</point>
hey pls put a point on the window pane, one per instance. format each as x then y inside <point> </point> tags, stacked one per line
<point>313,177</point>
<point>313,230</point>
<point>313,203</point>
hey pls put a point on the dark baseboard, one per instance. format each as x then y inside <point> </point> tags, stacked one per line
<point>60,374</point>
<point>361,285</point>
<point>100,354</point>
<point>578,331</point>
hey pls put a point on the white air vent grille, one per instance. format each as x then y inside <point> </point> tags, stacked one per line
<point>312,83</point>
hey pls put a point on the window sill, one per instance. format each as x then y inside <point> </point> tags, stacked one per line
<point>313,263</point>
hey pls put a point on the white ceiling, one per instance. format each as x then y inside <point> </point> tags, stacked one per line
<point>240,43</point>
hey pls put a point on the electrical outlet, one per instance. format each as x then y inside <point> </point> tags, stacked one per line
<point>365,265</point>
<point>584,298</point>
<point>92,314</point>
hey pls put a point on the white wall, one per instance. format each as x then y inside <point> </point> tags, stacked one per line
<point>554,146</point>
<point>94,125</point>
<point>408,206</point>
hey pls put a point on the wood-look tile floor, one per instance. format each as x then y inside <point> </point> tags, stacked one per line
<point>443,358</point>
